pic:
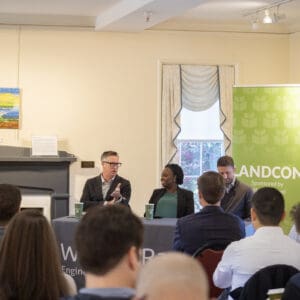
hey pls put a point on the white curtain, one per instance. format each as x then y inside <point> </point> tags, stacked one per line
<point>226,82</point>
<point>199,86</point>
<point>170,110</point>
<point>196,88</point>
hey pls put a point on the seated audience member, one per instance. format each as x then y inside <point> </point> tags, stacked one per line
<point>108,187</point>
<point>171,201</point>
<point>268,246</point>
<point>237,195</point>
<point>211,223</point>
<point>295,230</point>
<point>292,288</point>
<point>172,276</point>
<point>29,261</point>
<point>108,241</point>
<point>10,201</point>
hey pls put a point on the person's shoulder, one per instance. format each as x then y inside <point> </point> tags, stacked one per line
<point>233,217</point>
<point>185,191</point>
<point>158,191</point>
<point>188,219</point>
<point>296,279</point>
<point>93,179</point>
<point>243,185</point>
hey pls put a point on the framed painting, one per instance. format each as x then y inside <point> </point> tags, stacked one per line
<point>9,108</point>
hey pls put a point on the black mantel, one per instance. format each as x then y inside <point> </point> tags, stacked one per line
<point>38,175</point>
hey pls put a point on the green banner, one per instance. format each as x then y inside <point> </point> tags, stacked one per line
<point>266,139</point>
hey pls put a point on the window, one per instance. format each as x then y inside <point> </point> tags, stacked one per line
<point>200,144</point>
<point>194,98</point>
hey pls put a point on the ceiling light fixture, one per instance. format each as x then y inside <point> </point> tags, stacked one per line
<point>148,14</point>
<point>267,15</point>
<point>267,18</point>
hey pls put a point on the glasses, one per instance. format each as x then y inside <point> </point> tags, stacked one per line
<point>113,164</point>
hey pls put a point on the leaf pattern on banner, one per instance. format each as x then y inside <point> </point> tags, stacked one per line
<point>240,136</point>
<point>271,120</point>
<point>297,138</point>
<point>240,104</point>
<point>260,104</point>
<point>260,137</point>
<point>249,120</point>
<point>292,120</point>
<point>281,137</point>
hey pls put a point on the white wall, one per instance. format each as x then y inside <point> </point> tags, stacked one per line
<point>98,91</point>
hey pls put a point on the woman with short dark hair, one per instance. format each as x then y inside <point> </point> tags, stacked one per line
<point>29,261</point>
<point>171,201</point>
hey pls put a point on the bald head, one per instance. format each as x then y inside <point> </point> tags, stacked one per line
<point>172,276</point>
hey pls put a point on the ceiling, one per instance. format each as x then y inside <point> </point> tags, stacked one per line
<point>139,15</point>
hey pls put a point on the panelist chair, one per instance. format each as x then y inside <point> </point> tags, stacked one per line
<point>209,256</point>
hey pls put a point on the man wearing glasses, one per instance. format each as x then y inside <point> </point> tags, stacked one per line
<point>108,187</point>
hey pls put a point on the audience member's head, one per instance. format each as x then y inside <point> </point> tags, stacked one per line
<point>211,188</point>
<point>267,207</point>
<point>29,261</point>
<point>172,276</point>
<point>177,172</point>
<point>226,168</point>
<point>108,241</point>
<point>10,201</point>
<point>295,215</point>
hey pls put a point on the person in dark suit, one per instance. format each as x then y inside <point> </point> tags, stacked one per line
<point>211,223</point>
<point>171,201</point>
<point>237,195</point>
<point>108,187</point>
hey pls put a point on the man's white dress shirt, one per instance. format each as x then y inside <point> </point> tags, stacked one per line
<point>241,259</point>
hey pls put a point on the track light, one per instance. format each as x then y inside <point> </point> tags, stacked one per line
<point>267,18</point>
<point>267,15</point>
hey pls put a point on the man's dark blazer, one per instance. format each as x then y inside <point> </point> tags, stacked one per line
<point>92,191</point>
<point>237,201</point>
<point>185,201</point>
<point>208,225</point>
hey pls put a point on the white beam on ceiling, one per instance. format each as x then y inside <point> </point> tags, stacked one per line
<point>138,15</point>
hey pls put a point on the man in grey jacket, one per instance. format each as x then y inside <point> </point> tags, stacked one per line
<point>238,194</point>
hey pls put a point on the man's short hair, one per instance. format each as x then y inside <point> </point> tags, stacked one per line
<point>212,186</point>
<point>10,201</point>
<point>295,216</point>
<point>105,235</point>
<point>106,154</point>
<point>172,275</point>
<point>268,204</point>
<point>225,161</point>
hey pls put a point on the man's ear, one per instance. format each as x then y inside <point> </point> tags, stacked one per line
<point>253,214</point>
<point>283,216</point>
<point>133,258</point>
<point>200,195</point>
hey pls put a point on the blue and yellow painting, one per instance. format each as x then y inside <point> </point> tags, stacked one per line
<point>9,108</point>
